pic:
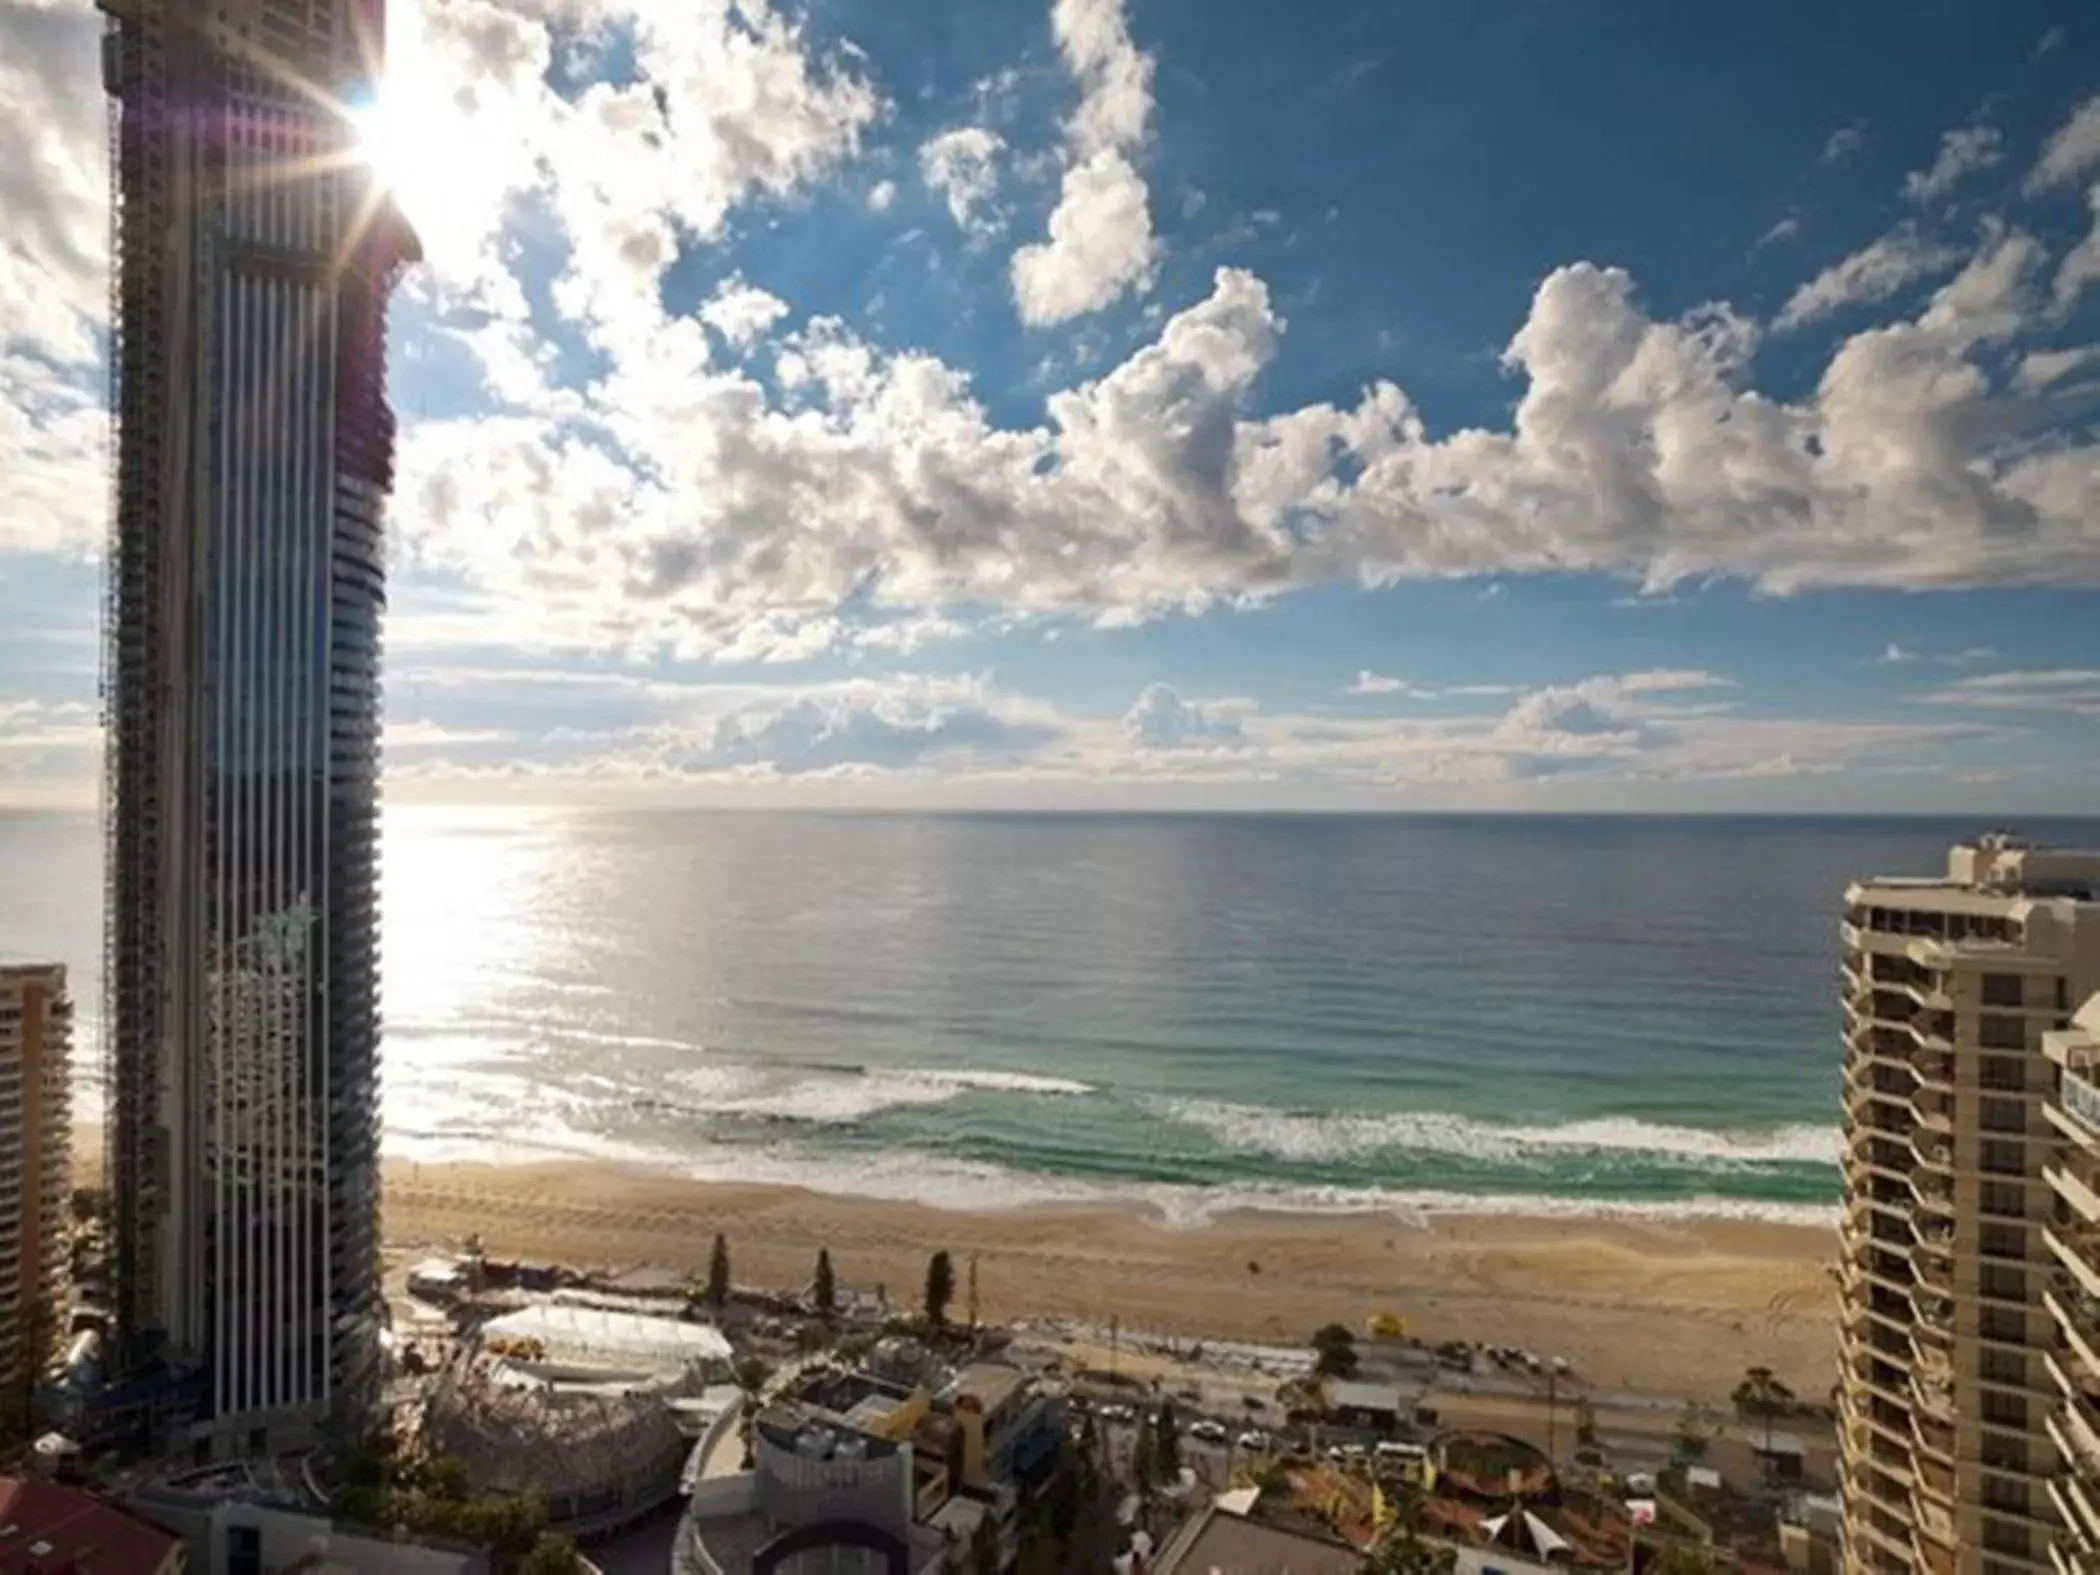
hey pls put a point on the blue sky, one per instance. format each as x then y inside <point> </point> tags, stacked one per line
<point>1113,403</point>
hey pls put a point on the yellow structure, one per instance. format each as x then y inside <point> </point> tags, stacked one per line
<point>1950,984</point>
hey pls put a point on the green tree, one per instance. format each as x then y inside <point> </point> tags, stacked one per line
<point>553,1554</point>
<point>1166,1444</point>
<point>940,1289</point>
<point>1334,1351</point>
<point>1403,1552</point>
<point>718,1275</point>
<point>752,1373</point>
<point>824,1290</point>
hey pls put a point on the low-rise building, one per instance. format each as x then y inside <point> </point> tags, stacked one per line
<point>45,1526</point>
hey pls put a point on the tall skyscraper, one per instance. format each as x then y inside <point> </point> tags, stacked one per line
<point>36,1032</point>
<point>2074,1236</point>
<point>254,254</point>
<point>1946,1443</point>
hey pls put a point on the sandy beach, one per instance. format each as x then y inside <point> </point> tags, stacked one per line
<point>1676,1308</point>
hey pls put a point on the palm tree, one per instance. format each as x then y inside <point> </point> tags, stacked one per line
<point>1762,1394</point>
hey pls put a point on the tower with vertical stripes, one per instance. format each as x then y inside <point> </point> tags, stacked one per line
<point>253,254</point>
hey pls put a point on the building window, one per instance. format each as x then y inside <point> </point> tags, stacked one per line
<point>2002,1073</point>
<point>2001,1033</point>
<point>2003,989</point>
<point>2004,1201</point>
<point>2004,1410</point>
<point>2004,1115</point>
<point>243,1550</point>
<point>2000,1158</point>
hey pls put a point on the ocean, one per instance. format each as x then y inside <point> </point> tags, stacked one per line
<point>1619,1015</point>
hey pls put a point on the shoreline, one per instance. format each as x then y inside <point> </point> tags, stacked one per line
<point>1677,1307</point>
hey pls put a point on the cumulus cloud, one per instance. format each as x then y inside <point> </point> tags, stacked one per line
<point>2071,150</point>
<point>1162,719</point>
<point>741,313</point>
<point>881,195</point>
<point>1962,152</point>
<point>961,165</point>
<point>1873,274</point>
<point>1100,242</point>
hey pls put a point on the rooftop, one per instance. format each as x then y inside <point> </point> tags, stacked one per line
<point>990,1386</point>
<point>1354,1395</point>
<point>1216,1541</point>
<point>44,1526</point>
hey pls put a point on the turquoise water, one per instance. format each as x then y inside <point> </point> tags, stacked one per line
<point>1392,1012</point>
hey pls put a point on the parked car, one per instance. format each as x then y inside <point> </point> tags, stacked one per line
<point>1254,1439</point>
<point>1210,1432</point>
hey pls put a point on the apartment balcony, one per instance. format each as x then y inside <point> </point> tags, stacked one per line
<point>1933,1111</point>
<point>1933,1440</point>
<point>2077,1314</point>
<point>2077,1248</point>
<point>1935,1523</point>
<point>1882,1530</point>
<point>1932,1398</point>
<point>1932,1310</point>
<point>1933,1153</point>
<point>1934,1479</point>
<point>2078,1456</point>
<point>1934,1193</point>
<point>2075,1178</point>
<point>1932,1065</point>
<point>2073,1497</point>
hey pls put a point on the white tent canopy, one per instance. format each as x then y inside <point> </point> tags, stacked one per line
<point>597,1331</point>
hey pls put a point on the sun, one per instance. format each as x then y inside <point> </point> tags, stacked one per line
<point>389,134</point>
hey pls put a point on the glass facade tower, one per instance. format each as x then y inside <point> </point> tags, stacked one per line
<point>253,254</point>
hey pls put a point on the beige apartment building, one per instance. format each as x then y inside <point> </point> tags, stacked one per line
<point>1949,1398</point>
<point>36,1030</point>
<point>2074,1237</point>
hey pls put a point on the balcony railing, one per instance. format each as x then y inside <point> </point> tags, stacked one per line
<point>2080,1099</point>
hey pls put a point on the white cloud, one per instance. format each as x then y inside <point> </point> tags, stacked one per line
<point>1842,143</point>
<point>1962,152</point>
<point>742,313</point>
<point>1370,683</point>
<point>2038,369</point>
<point>881,195</point>
<point>2081,264</point>
<point>961,164</point>
<point>1100,242</point>
<point>2062,691</point>
<point>1873,274</point>
<point>1896,654</point>
<point>1162,719</point>
<point>2072,149</point>
<point>53,295</point>
<point>1785,229</point>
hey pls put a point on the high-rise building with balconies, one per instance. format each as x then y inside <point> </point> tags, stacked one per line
<point>1947,1451</point>
<point>2074,1236</point>
<point>36,1034</point>
<point>254,253</point>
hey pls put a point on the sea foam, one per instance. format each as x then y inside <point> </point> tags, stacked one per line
<point>1303,1136</point>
